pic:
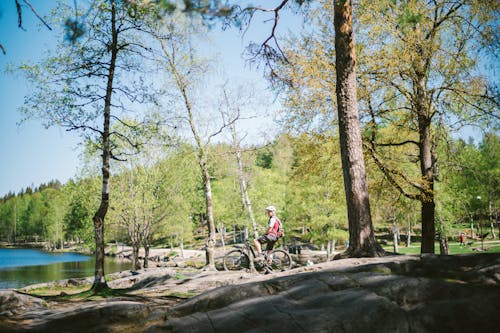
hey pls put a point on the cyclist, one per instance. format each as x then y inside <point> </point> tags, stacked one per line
<point>271,235</point>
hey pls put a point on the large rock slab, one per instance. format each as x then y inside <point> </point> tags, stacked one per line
<point>392,294</point>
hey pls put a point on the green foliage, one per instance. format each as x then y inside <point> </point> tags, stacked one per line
<point>316,197</point>
<point>301,175</point>
<point>74,29</point>
<point>471,180</point>
<point>167,6</point>
<point>82,203</point>
<point>264,158</point>
<point>409,18</point>
<point>305,184</point>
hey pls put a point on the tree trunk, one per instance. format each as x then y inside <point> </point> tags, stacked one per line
<point>424,112</point>
<point>181,245</point>
<point>135,255</point>
<point>243,184</point>
<point>146,246</point>
<point>330,249</point>
<point>490,216</point>
<point>395,233</point>
<point>427,194</point>
<point>222,230</point>
<point>100,215</point>
<point>210,242</point>
<point>99,277</point>
<point>408,234</point>
<point>205,174</point>
<point>362,239</point>
<point>443,245</point>
<point>245,233</point>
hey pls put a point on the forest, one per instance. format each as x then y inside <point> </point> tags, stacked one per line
<point>165,162</point>
<point>163,200</point>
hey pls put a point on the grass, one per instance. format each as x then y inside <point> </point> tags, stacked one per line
<point>454,248</point>
<point>79,293</point>
<point>180,276</point>
<point>57,290</point>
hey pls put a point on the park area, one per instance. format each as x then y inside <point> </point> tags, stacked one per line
<point>154,149</point>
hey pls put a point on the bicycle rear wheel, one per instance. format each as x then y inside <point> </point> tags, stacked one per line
<point>236,260</point>
<point>280,261</point>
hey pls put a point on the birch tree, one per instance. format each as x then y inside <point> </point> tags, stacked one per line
<point>187,70</point>
<point>88,83</point>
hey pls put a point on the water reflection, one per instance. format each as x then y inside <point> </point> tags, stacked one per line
<point>35,257</point>
<point>17,277</point>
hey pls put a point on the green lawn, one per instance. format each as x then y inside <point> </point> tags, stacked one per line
<point>455,248</point>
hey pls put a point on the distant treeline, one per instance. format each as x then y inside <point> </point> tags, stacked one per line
<point>301,176</point>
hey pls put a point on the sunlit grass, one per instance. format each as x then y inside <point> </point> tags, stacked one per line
<point>57,290</point>
<point>454,248</point>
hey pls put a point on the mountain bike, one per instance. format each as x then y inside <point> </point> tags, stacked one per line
<point>244,257</point>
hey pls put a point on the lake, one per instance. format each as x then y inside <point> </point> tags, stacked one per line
<point>22,267</point>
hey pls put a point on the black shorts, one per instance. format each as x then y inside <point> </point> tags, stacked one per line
<point>269,240</point>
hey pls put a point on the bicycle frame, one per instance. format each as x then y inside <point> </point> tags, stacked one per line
<point>264,264</point>
<point>250,251</point>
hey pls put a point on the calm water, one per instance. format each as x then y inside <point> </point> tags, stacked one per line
<point>22,267</point>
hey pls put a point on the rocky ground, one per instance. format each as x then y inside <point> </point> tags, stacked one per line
<point>391,294</point>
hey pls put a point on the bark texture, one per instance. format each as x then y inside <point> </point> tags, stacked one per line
<point>361,237</point>
<point>100,215</point>
<point>245,198</point>
<point>210,242</point>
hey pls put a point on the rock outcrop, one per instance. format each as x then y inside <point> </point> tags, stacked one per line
<point>391,294</point>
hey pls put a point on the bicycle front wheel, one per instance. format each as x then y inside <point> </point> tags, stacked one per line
<point>236,260</point>
<point>280,261</point>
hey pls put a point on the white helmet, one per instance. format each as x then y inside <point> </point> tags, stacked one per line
<point>271,208</point>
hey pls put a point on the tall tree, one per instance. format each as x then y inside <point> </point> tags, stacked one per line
<point>139,208</point>
<point>233,102</point>
<point>362,240</point>
<point>94,78</point>
<point>418,73</point>
<point>245,197</point>
<point>425,77</point>
<point>361,236</point>
<point>186,70</point>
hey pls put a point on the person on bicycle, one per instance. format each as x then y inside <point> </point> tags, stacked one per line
<point>271,235</point>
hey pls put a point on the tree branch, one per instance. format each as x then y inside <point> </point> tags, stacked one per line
<point>34,12</point>
<point>389,172</point>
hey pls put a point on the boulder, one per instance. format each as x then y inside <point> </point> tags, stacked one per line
<point>13,303</point>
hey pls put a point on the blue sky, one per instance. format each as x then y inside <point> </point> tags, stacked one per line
<point>32,154</point>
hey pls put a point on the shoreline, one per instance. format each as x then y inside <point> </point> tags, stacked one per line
<point>27,245</point>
